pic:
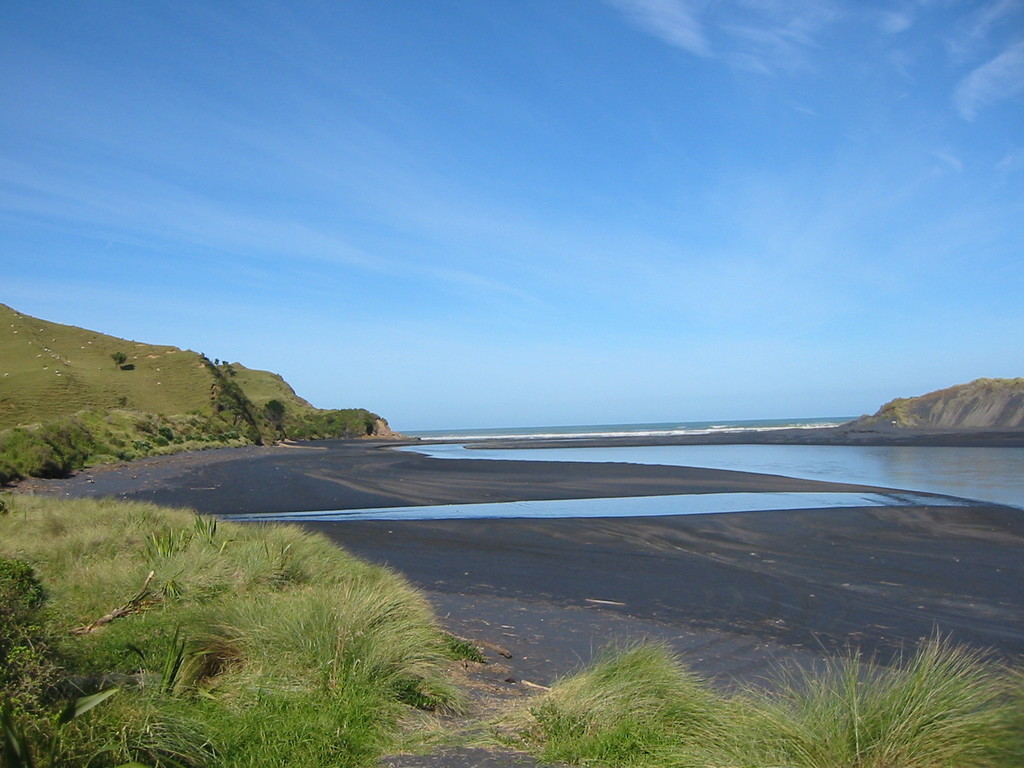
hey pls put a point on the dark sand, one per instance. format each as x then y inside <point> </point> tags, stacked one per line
<point>731,592</point>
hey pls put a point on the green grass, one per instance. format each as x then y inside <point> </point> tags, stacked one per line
<point>262,386</point>
<point>48,369</point>
<point>248,646</point>
<point>944,707</point>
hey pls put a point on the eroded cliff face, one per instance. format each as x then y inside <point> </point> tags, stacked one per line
<point>981,404</point>
<point>382,430</point>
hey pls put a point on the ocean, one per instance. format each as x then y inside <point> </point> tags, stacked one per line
<point>627,430</point>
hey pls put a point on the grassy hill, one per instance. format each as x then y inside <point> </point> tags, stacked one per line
<point>71,396</point>
<point>48,369</point>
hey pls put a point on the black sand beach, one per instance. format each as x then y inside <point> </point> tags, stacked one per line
<point>732,592</point>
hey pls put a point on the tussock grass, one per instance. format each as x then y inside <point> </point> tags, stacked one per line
<point>945,706</point>
<point>631,707</point>
<point>144,728</point>
<point>249,645</point>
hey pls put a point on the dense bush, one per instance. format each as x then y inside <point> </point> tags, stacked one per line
<point>56,448</point>
<point>319,424</point>
<point>70,439</point>
<point>51,450</point>
<point>26,666</point>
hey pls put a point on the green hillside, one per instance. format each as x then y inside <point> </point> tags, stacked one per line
<point>70,397</point>
<point>48,370</point>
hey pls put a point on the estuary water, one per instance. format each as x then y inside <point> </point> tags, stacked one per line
<point>629,506</point>
<point>994,475</point>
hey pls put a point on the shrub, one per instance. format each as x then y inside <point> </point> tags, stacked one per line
<point>24,454</point>
<point>70,439</point>
<point>52,450</point>
<point>317,424</point>
<point>26,667</point>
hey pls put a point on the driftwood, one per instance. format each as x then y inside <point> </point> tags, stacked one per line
<point>494,647</point>
<point>538,686</point>
<point>134,605</point>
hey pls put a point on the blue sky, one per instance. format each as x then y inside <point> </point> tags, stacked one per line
<point>527,212</point>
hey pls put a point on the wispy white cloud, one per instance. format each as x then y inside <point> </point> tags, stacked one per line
<point>991,14</point>
<point>1011,162</point>
<point>949,159</point>
<point>674,21</point>
<point>765,37</point>
<point>894,22</point>
<point>980,25</point>
<point>999,79</point>
<point>803,109</point>
<point>145,212</point>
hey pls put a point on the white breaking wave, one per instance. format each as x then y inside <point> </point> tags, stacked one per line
<point>569,433</point>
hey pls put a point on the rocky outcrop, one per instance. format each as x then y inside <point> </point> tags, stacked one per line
<point>383,431</point>
<point>981,404</point>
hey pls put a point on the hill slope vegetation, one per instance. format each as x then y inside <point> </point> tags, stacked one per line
<point>69,396</point>
<point>49,369</point>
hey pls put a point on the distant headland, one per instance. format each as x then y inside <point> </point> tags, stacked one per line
<point>980,404</point>
<point>982,413</point>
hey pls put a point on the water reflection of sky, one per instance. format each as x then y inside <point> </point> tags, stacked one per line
<point>986,474</point>
<point>633,506</point>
